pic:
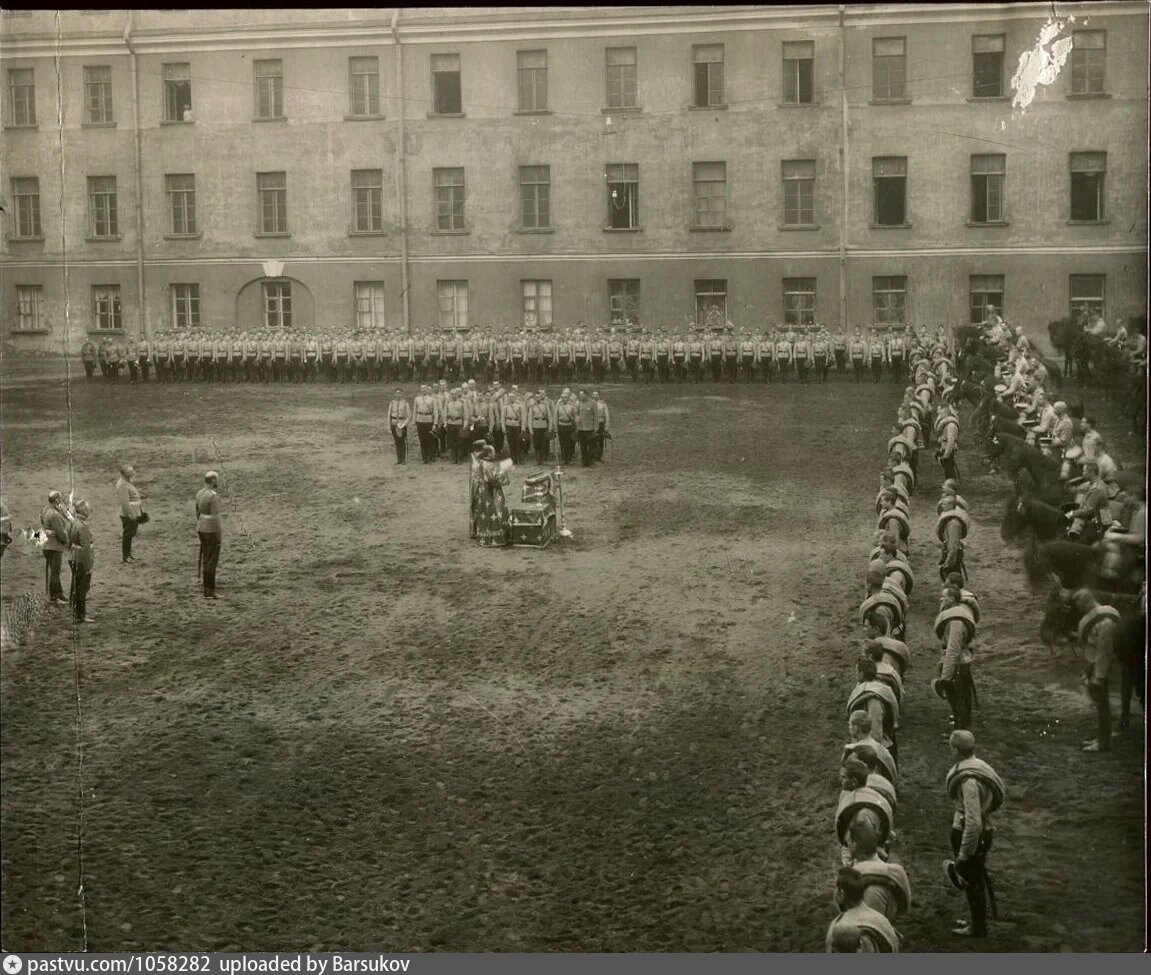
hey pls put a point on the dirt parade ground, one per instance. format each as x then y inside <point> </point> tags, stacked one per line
<point>383,737</point>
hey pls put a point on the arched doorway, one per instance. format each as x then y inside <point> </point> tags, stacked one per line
<point>283,301</point>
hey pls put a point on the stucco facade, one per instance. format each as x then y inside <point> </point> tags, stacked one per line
<point>937,126</point>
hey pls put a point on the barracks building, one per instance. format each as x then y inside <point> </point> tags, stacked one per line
<point>408,168</point>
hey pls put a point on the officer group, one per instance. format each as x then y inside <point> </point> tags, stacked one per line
<point>786,353</point>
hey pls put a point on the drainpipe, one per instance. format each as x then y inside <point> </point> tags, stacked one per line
<point>402,175</point>
<point>843,165</point>
<point>142,322</point>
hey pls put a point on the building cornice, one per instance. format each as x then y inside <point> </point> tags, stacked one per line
<point>505,258</point>
<point>511,24</point>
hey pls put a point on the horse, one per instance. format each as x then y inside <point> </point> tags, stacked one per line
<point>1074,566</point>
<point>1060,622</point>
<point>1028,516</point>
<point>1063,334</point>
<point>1015,455</point>
<point>1000,424</point>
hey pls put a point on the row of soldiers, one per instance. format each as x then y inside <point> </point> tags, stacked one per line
<point>566,355</point>
<point>871,889</point>
<point>448,420</point>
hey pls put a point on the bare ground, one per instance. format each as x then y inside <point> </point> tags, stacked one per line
<point>385,738</point>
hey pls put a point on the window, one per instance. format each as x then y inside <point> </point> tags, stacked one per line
<point>889,69</point>
<point>28,318</point>
<point>623,196</point>
<point>102,206</point>
<point>711,303</point>
<point>986,293</point>
<point>1088,61</point>
<point>449,186</point>
<point>453,300</point>
<point>987,177</point>
<point>623,301</point>
<point>532,71</point>
<point>368,200</point>
<point>1087,295</point>
<point>708,61</point>
<point>22,95</point>
<point>26,197</point>
<point>269,76</point>
<point>181,204</point>
<point>987,65</point>
<point>272,189</point>
<point>369,304</point>
<point>890,177</point>
<point>798,72</point>
<point>535,197</point>
<point>621,77</point>
<point>889,300</point>
<point>1088,172</point>
<point>447,93</point>
<point>106,307</point>
<point>177,92</point>
<point>799,301</point>
<point>537,303</point>
<point>277,304</point>
<point>98,95</point>
<point>186,305</point>
<point>364,86</point>
<point>799,192</point>
<point>710,194</point>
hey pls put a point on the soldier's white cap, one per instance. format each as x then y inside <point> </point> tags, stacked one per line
<point>211,475</point>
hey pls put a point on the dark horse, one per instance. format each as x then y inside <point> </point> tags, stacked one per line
<point>1000,424</point>
<point>1015,456</point>
<point>1027,516</point>
<point>1073,565</point>
<point>1064,335</point>
<point>1061,620</point>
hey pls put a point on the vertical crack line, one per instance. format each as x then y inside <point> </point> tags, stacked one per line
<point>80,894</point>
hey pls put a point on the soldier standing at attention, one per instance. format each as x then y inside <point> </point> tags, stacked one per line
<point>80,561</point>
<point>399,419</point>
<point>857,352</point>
<point>895,352</point>
<point>566,427</point>
<point>513,419</point>
<point>540,424</point>
<point>210,528</point>
<point>55,525</point>
<point>88,358</point>
<point>131,507</point>
<point>821,348</point>
<point>804,358</point>
<point>976,790</point>
<point>783,355</point>
<point>603,421</point>
<point>878,350</point>
<point>587,424</point>
<point>840,346</point>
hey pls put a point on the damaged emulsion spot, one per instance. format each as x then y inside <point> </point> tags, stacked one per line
<point>1042,64</point>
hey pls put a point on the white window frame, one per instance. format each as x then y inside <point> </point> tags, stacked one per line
<point>621,77</point>
<point>268,192</point>
<point>369,301</point>
<point>268,88</point>
<point>986,290</point>
<point>277,297</point>
<point>799,301</point>
<point>368,201</point>
<point>185,300</point>
<point>452,301</point>
<point>175,74</point>
<point>103,210</point>
<point>798,177</point>
<point>98,107</point>
<point>364,86</point>
<point>181,204</point>
<point>26,207</point>
<point>707,290</point>
<point>22,95</point>
<point>894,284</point>
<point>536,303</point>
<point>29,308</point>
<point>107,310</point>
